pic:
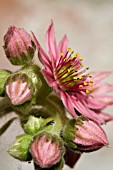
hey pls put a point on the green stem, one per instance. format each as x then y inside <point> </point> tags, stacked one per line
<point>57,113</point>
<point>5,106</point>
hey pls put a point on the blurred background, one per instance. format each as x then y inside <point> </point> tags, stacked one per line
<point>89,27</point>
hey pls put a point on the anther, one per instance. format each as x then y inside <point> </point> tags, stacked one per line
<point>68,70</point>
<point>80,77</point>
<point>77,54</point>
<point>80,58</point>
<point>85,83</point>
<point>87,91</point>
<point>87,68</point>
<point>80,86</point>
<point>62,54</point>
<point>69,50</point>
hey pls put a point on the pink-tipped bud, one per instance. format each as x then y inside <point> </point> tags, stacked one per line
<point>85,135</point>
<point>19,88</point>
<point>18,45</point>
<point>47,149</point>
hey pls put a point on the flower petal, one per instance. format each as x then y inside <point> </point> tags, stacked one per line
<point>102,89</point>
<point>49,77</point>
<point>98,76</point>
<point>67,103</point>
<point>51,44</point>
<point>107,117</point>
<point>71,102</point>
<point>44,58</point>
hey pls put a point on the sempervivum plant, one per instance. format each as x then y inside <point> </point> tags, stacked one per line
<point>58,102</point>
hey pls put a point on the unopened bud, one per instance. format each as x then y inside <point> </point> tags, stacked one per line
<point>18,45</point>
<point>4,74</point>
<point>20,149</point>
<point>33,125</point>
<point>84,135</point>
<point>19,88</point>
<point>47,149</point>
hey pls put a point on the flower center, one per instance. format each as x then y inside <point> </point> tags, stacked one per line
<point>70,75</point>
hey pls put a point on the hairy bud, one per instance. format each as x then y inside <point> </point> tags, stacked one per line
<point>18,45</point>
<point>84,135</point>
<point>47,149</point>
<point>19,88</point>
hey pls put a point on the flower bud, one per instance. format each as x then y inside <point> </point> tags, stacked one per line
<point>20,149</point>
<point>19,88</point>
<point>47,149</point>
<point>4,74</point>
<point>84,135</point>
<point>33,125</point>
<point>18,45</point>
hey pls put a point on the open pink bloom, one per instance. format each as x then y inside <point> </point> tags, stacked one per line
<point>63,71</point>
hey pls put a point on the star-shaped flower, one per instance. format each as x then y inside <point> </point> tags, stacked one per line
<point>78,91</point>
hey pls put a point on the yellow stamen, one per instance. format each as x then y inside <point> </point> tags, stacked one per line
<point>80,58</point>
<point>82,64</point>
<point>87,91</point>
<point>69,49</point>
<point>80,86</point>
<point>71,58</point>
<point>68,70</point>
<point>80,77</point>
<point>87,68</point>
<point>77,55</point>
<point>85,83</point>
<point>75,78</point>
<point>62,54</point>
<point>90,84</point>
<point>64,59</point>
<point>90,75</point>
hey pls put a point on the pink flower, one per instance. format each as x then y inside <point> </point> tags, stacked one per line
<point>63,71</point>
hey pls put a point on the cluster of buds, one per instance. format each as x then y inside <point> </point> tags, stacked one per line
<point>50,133</point>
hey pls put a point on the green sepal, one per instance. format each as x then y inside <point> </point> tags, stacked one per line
<point>20,149</point>
<point>32,71</point>
<point>4,74</point>
<point>69,130</point>
<point>33,125</point>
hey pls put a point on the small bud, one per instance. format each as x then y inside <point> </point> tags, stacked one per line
<point>18,45</point>
<point>33,125</point>
<point>19,88</point>
<point>20,149</point>
<point>84,135</point>
<point>4,74</point>
<point>47,149</point>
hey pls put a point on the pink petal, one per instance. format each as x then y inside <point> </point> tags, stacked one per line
<point>51,44</point>
<point>94,103</point>
<point>67,103</point>
<point>62,48</point>
<point>49,77</point>
<point>102,89</point>
<point>107,117</point>
<point>106,100</point>
<point>71,102</point>
<point>98,76</point>
<point>44,58</point>
<point>83,109</point>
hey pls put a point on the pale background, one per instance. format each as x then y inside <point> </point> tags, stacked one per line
<point>89,26</point>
